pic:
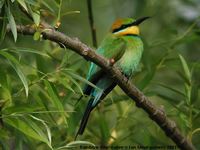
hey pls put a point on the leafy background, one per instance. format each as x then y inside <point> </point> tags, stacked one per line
<point>40,82</point>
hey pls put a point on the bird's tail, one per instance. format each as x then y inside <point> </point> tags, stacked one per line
<point>85,118</point>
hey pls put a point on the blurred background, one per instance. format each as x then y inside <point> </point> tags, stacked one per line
<point>40,82</point>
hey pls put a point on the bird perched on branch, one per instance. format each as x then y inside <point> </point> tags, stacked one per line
<point>123,47</point>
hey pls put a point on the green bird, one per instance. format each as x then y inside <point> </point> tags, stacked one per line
<point>123,47</point>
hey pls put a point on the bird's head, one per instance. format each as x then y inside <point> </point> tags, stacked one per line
<point>127,26</point>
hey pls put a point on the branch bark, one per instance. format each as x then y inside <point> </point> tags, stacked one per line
<point>156,114</point>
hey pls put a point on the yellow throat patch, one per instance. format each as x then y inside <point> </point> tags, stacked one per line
<point>130,30</point>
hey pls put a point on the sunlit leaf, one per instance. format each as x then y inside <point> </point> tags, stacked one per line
<point>36,36</point>
<point>46,126</point>
<point>185,68</point>
<point>23,4</point>
<point>195,131</point>
<point>70,12</point>
<point>35,15</point>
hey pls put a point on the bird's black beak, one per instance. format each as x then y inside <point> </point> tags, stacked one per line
<point>140,20</point>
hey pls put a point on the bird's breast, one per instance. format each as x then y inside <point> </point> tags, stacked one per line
<point>132,56</point>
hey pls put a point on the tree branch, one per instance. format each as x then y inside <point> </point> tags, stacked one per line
<point>156,114</point>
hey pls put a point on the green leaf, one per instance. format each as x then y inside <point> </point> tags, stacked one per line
<point>16,65</point>
<point>65,84</point>
<point>28,128</point>
<point>184,118</point>
<point>12,23</point>
<point>48,6</point>
<point>194,93</point>
<point>173,100</point>
<point>36,35</point>
<point>53,95</point>
<point>172,89</point>
<point>1,4</point>
<point>23,4</point>
<point>70,12</point>
<point>35,14</point>
<point>21,76</point>
<point>76,83</point>
<point>185,68</point>
<point>36,17</point>
<point>75,76</point>
<point>188,93</point>
<point>31,2</point>
<point>46,127</point>
<point>5,92</point>
<point>3,24</point>
<point>28,50</point>
<point>195,131</point>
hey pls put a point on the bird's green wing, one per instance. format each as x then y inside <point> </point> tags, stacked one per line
<point>111,48</point>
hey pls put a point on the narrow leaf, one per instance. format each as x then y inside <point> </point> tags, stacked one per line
<point>185,67</point>
<point>1,4</point>
<point>172,89</point>
<point>35,14</point>
<point>23,4</point>
<point>82,79</point>
<point>36,17</point>
<point>12,23</point>
<point>24,128</point>
<point>3,24</point>
<point>16,66</point>
<point>21,76</point>
<point>54,98</point>
<point>46,126</point>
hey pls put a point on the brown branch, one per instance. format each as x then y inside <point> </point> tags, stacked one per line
<point>156,114</point>
<point>91,20</point>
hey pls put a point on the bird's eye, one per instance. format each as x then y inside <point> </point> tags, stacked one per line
<point>123,26</point>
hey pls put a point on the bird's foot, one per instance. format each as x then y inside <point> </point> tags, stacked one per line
<point>112,61</point>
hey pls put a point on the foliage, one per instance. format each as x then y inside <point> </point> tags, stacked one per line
<point>40,83</point>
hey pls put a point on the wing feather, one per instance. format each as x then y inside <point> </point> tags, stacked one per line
<point>111,48</point>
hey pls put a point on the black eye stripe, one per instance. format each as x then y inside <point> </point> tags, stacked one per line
<point>123,27</point>
<point>136,22</point>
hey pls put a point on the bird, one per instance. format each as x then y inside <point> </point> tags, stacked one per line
<point>123,47</point>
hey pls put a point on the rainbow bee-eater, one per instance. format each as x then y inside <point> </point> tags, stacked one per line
<point>123,47</point>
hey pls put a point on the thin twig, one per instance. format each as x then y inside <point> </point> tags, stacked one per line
<point>156,114</point>
<point>91,20</point>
